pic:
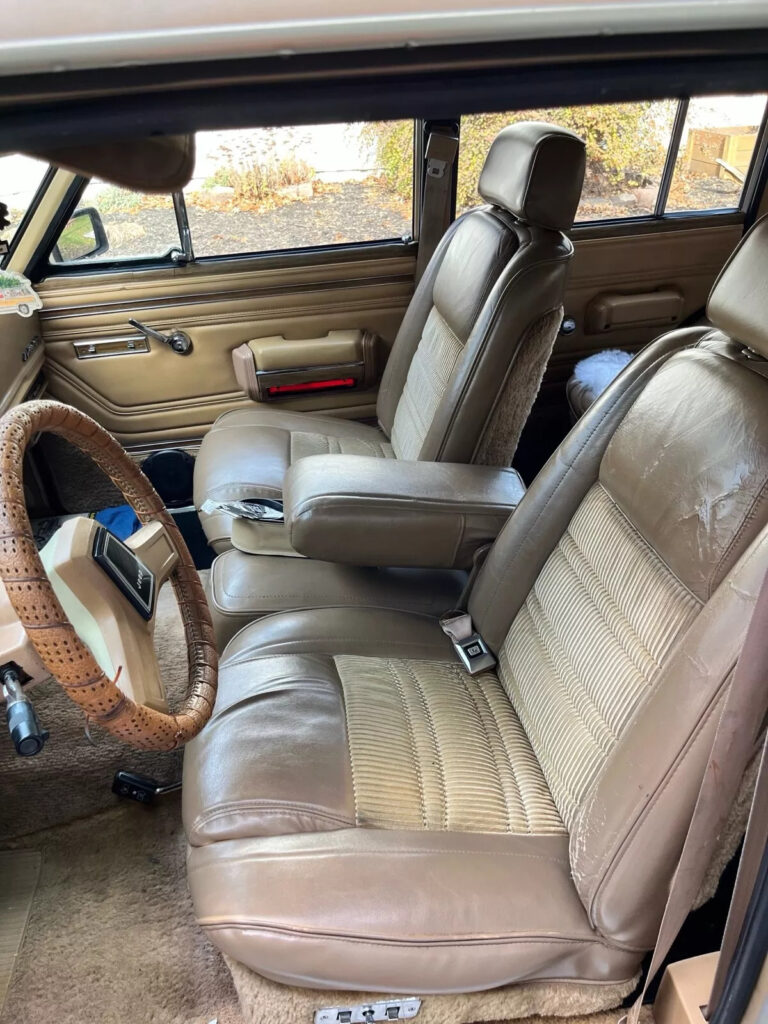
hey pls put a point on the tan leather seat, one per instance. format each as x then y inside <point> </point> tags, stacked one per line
<point>363,814</point>
<point>468,359</point>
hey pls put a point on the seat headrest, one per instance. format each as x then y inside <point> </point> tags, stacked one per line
<point>535,171</point>
<point>738,302</point>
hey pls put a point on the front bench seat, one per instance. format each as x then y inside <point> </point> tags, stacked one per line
<point>468,359</point>
<point>363,814</point>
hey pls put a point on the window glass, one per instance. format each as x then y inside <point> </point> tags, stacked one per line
<point>286,188</point>
<point>715,152</point>
<point>113,223</point>
<point>20,178</point>
<point>626,148</point>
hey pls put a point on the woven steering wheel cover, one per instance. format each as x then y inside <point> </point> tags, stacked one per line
<point>52,635</point>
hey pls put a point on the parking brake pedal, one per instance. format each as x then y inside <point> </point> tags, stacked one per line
<point>141,788</point>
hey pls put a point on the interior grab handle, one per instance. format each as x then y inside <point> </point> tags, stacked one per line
<point>179,341</point>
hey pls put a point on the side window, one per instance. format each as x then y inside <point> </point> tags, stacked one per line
<point>626,147</point>
<point>715,152</point>
<point>629,154</point>
<point>113,223</point>
<point>294,188</point>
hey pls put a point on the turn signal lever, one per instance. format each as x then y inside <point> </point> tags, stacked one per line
<point>179,341</point>
<point>26,732</point>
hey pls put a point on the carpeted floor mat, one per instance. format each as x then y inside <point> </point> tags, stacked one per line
<point>111,937</point>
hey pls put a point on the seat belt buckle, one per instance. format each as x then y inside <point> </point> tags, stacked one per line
<point>436,168</point>
<point>472,650</point>
<point>474,654</point>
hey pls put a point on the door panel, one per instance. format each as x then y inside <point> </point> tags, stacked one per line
<point>154,396</point>
<point>685,262</point>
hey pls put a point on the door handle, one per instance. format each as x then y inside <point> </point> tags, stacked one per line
<point>179,341</point>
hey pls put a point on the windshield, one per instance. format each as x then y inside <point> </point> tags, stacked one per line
<point>20,178</point>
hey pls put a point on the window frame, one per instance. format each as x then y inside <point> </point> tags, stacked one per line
<point>660,220</point>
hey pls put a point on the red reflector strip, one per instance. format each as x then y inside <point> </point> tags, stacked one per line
<point>311,385</point>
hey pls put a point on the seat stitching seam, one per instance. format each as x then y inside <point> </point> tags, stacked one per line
<point>459,675</point>
<point>531,938</point>
<point>508,755</point>
<point>349,743</point>
<point>226,810</point>
<point>411,737</point>
<point>649,547</point>
<point>745,522</point>
<point>431,726</point>
<point>249,656</point>
<point>428,849</point>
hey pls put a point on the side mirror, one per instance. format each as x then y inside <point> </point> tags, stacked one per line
<point>82,238</point>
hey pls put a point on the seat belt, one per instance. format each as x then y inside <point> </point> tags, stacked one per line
<point>436,201</point>
<point>739,726</point>
<point>752,852</point>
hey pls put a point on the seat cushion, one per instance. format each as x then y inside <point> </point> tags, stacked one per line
<point>363,814</point>
<point>591,376</point>
<point>247,452</point>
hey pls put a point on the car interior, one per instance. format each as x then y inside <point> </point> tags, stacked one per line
<point>384,534</point>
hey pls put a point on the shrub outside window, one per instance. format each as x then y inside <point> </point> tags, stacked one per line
<point>628,147</point>
<point>293,188</point>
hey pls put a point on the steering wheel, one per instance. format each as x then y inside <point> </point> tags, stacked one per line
<point>88,579</point>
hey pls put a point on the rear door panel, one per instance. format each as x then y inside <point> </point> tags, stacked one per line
<point>686,260</point>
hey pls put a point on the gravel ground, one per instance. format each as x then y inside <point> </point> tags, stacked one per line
<point>353,212</point>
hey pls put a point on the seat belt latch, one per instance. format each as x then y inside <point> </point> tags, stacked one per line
<point>436,168</point>
<point>472,650</point>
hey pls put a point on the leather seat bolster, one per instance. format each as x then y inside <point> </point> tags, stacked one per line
<point>363,511</point>
<point>290,695</point>
<point>407,921</point>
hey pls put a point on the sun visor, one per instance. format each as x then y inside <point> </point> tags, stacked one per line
<point>162,163</point>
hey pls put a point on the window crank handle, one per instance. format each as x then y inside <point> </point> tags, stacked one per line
<point>179,341</point>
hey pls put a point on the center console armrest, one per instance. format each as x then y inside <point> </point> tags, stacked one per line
<point>367,511</point>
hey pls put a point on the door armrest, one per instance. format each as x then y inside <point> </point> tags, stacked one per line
<point>386,512</point>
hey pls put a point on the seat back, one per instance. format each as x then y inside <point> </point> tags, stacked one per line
<point>468,360</point>
<point>619,593</point>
